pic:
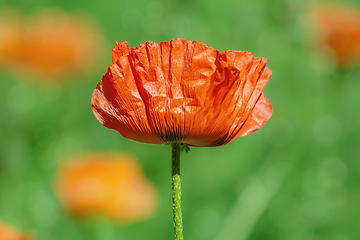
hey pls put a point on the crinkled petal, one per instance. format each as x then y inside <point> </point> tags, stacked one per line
<point>180,91</point>
<point>258,117</point>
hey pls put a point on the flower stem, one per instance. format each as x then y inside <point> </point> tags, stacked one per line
<point>176,190</point>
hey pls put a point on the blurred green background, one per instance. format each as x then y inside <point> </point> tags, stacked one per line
<point>296,178</point>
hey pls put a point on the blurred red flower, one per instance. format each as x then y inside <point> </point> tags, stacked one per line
<point>9,233</point>
<point>50,44</point>
<point>182,91</point>
<point>108,184</point>
<point>337,25</point>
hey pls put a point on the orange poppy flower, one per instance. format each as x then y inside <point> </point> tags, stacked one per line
<point>9,233</point>
<point>109,184</point>
<point>338,30</point>
<point>49,44</point>
<point>182,91</point>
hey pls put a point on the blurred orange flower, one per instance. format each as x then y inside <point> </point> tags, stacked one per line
<point>50,44</point>
<point>337,26</point>
<point>9,233</point>
<point>109,184</point>
<point>182,91</point>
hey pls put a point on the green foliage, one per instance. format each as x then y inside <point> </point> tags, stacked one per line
<point>296,178</point>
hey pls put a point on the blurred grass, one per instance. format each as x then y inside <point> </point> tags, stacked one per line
<point>296,178</point>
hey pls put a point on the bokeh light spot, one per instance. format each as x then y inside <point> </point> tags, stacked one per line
<point>315,212</point>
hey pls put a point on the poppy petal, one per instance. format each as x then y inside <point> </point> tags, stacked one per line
<point>258,117</point>
<point>179,91</point>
